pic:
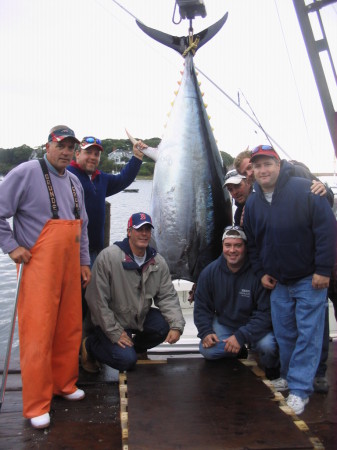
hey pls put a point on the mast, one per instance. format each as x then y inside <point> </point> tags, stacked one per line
<point>315,47</point>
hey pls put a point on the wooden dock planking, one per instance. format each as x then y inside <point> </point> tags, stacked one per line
<point>95,423</point>
<point>197,404</point>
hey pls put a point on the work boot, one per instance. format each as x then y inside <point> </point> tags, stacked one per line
<point>272,373</point>
<point>88,363</point>
<point>243,353</point>
<point>321,385</point>
<point>142,356</point>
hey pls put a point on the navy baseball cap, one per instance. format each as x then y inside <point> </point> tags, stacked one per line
<point>62,133</point>
<point>139,219</point>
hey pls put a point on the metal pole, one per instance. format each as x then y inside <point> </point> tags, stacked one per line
<point>10,340</point>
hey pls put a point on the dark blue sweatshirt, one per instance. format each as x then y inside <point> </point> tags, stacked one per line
<point>293,236</point>
<point>238,300</point>
<point>96,189</point>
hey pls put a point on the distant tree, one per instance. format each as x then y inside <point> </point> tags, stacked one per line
<point>9,158</point>
<point>226,159</point>
<point>5,168</point>
<point>153,142</point>
<point>146,170</point>
<point>107,165</point>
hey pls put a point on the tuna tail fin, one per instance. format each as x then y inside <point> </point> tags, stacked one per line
<point>180,44</point>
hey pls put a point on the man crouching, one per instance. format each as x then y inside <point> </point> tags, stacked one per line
<point>126,278</point>
<point>232,308</point>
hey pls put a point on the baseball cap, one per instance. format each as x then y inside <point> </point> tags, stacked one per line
<point>264,150</point>
<point>91,141</point>
<point>62,133</point>
<point>233,177</point>
<point>139,219</point>
<point>234,232</point>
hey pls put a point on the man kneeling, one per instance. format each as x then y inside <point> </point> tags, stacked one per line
<point>126,278</point>
<point>232,308</point>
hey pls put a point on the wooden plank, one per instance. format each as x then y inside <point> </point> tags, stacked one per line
<point>92,423</point>
<point>197,404</point>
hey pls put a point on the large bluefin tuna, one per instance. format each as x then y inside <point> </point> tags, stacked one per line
<point>189,206</point>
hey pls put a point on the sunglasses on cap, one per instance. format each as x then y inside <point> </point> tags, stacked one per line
<point>230,174</point>
<point>91,140</point>
<point>233,227</point>
<point>262,147</point>
<point>235,232</point>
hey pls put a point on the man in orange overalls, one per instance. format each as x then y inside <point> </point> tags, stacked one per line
<point>50,238</point>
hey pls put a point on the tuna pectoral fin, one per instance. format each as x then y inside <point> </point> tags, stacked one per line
<point>150,152</point>
<point>180,44</point>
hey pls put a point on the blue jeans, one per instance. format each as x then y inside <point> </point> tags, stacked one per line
<point>297,312</point>
<point>154,332</point>
<point>321,370</point>
<point>266,347</point>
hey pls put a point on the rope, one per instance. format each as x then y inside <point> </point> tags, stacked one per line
<point>192,46</point>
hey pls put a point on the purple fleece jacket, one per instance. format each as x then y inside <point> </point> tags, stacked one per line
<point>24,196</point>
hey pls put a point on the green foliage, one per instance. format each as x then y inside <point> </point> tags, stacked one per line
<point>147,169</point>
<point>226,159</point>
<point>106,165</point>
<point>9,158</point>
<point>153,142</point>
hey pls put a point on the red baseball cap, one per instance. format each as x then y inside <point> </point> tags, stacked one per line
<point>264,150</point>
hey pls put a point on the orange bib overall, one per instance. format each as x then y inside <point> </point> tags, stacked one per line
<point>49,316</point>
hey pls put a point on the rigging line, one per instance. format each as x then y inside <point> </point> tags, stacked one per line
<point>221,90</point>
<point>126,10</point>
<point>293,75</point>
<point>260,125</point>
<point>241,109</point>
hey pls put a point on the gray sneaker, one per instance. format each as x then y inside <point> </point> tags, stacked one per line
<point>296,403</point>
<point>280,384</point>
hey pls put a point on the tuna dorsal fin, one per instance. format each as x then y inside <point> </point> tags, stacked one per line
<point>150,152</point>
<point>180,44</point>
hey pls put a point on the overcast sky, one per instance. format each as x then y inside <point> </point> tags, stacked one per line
<point>85,63</point>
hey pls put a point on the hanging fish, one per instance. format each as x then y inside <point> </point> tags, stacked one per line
<point>189,206</point>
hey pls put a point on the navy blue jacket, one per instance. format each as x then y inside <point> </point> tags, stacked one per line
<point>293,236</point>
<point>96,189</point>
<point>238,300</point>
<point>130,263</point>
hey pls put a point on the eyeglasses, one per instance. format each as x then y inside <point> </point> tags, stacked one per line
<point>262,147</point>
<point>91,140</point>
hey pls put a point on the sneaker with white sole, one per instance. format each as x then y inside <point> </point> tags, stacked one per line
<point>280,384</point>
<point>297,403</point>
<point>42,421</point>
<point>77,395</point>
